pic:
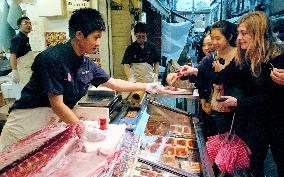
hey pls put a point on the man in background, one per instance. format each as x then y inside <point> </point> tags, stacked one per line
<point>20,46</point>
<point>141,59</point>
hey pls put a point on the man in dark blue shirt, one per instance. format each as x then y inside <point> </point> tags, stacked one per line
<point>20,45</point>
<point>141,52</point>
<point>61,76</point>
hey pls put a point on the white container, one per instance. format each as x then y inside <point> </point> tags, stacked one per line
<point>91,113</point>
<point>12,90</point>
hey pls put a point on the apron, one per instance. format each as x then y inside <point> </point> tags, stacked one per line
<point>24,64</point>
<point>23,122</point>
<point>141,72</point>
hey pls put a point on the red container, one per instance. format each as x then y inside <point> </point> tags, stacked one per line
<point>103,123</point>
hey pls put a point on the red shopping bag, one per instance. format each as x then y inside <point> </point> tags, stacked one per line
<point>228,151</point>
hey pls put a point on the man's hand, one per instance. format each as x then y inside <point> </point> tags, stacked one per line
<point>171,78</point>
<point>80,129</point>
<point>15,76</point>
<point>277,76</point>
<point>188,70</point>
<point>154,88</point>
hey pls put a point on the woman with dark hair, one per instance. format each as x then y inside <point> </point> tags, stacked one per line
<point>206,45</point>
<point>204,87</point>
<point>223,35</point>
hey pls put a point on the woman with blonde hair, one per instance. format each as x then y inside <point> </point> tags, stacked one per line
<point>259,56</point>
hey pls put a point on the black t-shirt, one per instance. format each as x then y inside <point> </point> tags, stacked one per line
<point>20,45</point>
<point>135,54</point>
<point>59,71</point>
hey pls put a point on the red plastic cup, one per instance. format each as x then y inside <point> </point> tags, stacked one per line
<point>103,123</point>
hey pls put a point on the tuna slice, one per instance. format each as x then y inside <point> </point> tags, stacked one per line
<point>34,152</point>
<point>55,151</point>
<point>83,164</point>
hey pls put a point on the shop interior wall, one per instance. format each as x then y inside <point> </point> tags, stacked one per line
<point>121,21</point>
<point>106,40</point>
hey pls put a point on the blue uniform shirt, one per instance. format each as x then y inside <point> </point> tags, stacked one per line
<point>20,45</point>
<point>59,71</point>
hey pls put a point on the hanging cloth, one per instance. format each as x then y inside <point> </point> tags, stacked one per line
<point>6,31</point>
<point>15,12</point>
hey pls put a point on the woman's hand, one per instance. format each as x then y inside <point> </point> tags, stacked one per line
<point>229,101</point>
<point>277,76</point>
<point>218,66</point>
<point>188,70</point>
<point>171,78</point>
<point>184,71</point>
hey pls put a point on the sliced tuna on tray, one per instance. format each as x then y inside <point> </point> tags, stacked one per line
<point>29,155</point>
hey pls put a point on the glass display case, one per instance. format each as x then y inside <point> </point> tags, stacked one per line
<point>170,143</point>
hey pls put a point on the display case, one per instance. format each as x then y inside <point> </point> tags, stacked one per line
<point>170,143</point>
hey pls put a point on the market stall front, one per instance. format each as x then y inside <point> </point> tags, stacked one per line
<point>170,143</point>
<point>147,138</point>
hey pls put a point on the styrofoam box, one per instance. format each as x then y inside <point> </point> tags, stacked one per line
<point>12,90</point>
<point>91,113</point>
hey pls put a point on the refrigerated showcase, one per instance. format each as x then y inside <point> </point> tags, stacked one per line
<point>170,144</point>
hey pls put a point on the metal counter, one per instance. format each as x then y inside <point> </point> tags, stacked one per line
<point>191,95</point>
<point>190,101</point>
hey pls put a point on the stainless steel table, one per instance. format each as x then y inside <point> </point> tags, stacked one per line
<point>190,100</point>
